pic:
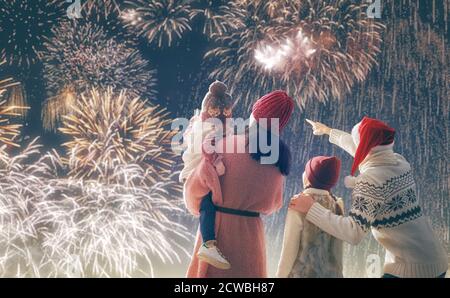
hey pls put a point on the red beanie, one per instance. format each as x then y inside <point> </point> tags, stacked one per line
<point>323,171</point>
<point>372,133</point>
<point>274,105</point>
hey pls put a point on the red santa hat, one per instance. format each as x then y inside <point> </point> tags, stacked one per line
<point>323,172</point>
<point>368,134</point>
<point>275,105</point>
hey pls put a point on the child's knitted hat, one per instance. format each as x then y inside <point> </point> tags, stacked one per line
<point>217,97</point>
<point>323,172</point>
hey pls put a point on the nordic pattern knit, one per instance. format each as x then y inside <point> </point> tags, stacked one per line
<point>386,206</point>
<point>384,201</point>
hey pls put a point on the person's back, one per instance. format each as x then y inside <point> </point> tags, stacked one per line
<point>247,189</point>
<point>393,213</point>
<point>309,252</point>
<point>384,200</point>
<point>248,184</point>
<point>320,254</point>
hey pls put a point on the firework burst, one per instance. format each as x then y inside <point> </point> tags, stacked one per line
<point>409,90</point>
<point>219,16</point>
<point>23,25</point>
<point>93,229</point>
<point>56,227</point>
<point>110,130</point>
<point>161,22</point>
<point>107,15</point>
<point>80,57</point>
<point>313,49</point>
<point>12,91</point>
<point>22,184</point>
<point>6,82</point>
<point>233,58</point>
<point>8,130</point>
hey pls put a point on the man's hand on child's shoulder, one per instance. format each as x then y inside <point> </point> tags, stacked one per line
<point>301,203</point>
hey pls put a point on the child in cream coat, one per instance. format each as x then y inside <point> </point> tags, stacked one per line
<point>307,251</point>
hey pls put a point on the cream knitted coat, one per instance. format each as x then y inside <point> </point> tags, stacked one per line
<point>308,251</point>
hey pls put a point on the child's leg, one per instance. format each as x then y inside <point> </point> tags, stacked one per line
<point>209,252</point>
<point>207,219</point>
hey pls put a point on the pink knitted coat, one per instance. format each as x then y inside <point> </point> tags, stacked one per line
<point>246,185</point>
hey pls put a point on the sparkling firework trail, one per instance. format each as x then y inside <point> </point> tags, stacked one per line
<point>5,82</point>
<point>23,25</point>
<point>8,131</point>
<point>313,49</point>
<point>54,227</point>
<point>80,57</point>
<point>233,58</point>
<point>108,16</point>
<point>408,89</point>
<point>219,17</point>
<point>101,230</point>
<point>162,22</point>
<point>277,58</point>
<point>12,92</point>
<point>110,130</point>
<point>21,185</point>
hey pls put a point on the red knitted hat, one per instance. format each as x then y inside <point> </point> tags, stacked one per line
<point>323,171</point>
<point>274,105</point>
<point>372,133</point>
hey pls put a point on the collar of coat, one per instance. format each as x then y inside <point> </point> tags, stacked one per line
<point>316,191</point>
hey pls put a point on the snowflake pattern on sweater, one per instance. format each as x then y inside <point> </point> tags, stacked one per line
<point>385,206</point>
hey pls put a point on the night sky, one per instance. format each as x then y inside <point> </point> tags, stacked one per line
<point>409,88</point>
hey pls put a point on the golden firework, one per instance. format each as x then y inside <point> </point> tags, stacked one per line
<point>12,92</point>
<point>162,22</point>
<point>110,129</point>
<point>8,131</point>
<point>55,107</point>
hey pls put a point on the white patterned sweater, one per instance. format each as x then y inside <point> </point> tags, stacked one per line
<point>384,201</point>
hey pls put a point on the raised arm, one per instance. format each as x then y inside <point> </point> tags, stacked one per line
<point>343,140</point>
<point>337,137</point>
<point>291,243</point>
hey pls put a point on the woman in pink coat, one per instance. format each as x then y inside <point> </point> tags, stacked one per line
<point>248,188</point>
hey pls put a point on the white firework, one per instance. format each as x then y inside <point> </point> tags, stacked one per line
<point>277,57</point>
<point>93,229</point>
<point>21,186</point>
<point>56,227</point>
<point>314,50</point>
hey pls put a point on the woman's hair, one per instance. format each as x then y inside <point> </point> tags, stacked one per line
<point>284,158</point>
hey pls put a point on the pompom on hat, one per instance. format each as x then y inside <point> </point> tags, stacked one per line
<point>275,105</point>
<point>217,96</point>
<point>323,172</point>
<point>368,134</point>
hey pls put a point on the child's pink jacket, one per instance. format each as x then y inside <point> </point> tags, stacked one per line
<point>246,185</point>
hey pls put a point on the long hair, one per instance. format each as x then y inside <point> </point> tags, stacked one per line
<point>284,158</point>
